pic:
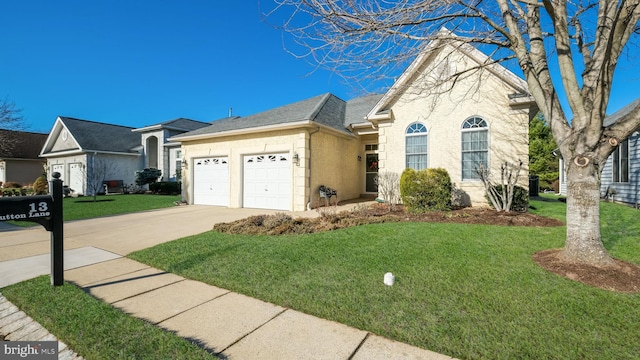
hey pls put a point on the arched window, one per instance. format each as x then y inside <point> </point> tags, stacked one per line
<point>475,147</point>
<point>416,146</point>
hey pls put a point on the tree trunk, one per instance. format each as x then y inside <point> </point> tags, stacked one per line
<point>583,242</point>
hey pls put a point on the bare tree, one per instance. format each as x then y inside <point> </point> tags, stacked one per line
<point>10,119</point>
<point>96,172</point>
<point>389,188</point>
<point>501,195</point>
<point>583,40</point>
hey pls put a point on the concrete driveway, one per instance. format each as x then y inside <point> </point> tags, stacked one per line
<point>123,234</point>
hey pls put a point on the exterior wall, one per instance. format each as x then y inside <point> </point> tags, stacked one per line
<point>334,163</point>
<point>562,177</point>
<point>626,192</point>
<point>155,154</point>
<point>163,155</point>
<point>120,167</point>
<point>235,148</point>
<point>22,171</point>
<point>483,95</point>
<point>318,154</point>
<point>65,162</point>
<point>65,142</point>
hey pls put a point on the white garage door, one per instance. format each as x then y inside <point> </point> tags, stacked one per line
<point>59,168</point>
<point>76,178</point>
<point>211,181</point>
<point>267,181</point>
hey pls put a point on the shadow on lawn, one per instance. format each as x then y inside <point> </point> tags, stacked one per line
<point>91,201</point>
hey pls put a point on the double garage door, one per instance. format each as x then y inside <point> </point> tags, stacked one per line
<point>266,181</point>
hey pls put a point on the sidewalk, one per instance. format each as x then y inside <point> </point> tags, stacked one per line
<point>230,325</point>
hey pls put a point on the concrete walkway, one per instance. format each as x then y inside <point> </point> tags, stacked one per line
<point>228,324</point>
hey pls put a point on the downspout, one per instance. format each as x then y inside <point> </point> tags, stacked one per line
<point>309,181</point>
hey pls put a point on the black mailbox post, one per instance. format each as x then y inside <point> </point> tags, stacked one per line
<point>45,210</point>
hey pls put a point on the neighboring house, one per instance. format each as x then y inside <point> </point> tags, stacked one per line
<point>19,161</point>
<point>159,152</point>
<point>278,159</point>
<point>84,151</point>
<point>88,152</point>
<point>620,178</point>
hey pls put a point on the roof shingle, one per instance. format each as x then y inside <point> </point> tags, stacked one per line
<point>24,145</point>
<point>95,136</point>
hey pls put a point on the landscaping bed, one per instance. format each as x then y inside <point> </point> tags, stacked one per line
<point>282,224</point>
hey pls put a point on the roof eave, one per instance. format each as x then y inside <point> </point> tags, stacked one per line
<point>159,127</point>
<point>276,127</point>
<point>85,151</point>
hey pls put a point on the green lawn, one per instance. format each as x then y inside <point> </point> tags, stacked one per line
<point>105,205</point>
<point>94,329</point>
<point>468,291</point>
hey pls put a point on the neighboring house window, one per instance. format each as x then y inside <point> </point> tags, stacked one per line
<point>475,147</point>
<point>621,162</point>
<point>416,146</point>
<point>179,164</point>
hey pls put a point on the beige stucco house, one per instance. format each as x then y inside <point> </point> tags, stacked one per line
<point>279,158</point>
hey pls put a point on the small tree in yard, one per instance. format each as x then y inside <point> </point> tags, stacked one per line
<point>147,176</point>
<point>389,188</point>
<point>96,172</point>
<point>501,194</point>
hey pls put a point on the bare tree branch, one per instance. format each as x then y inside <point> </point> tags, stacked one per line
<point>576,42</point>
<point>10,119</point>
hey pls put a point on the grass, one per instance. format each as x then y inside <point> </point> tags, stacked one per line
<point>468,291</point>
<point>94,329</point>
<point>105,205</point>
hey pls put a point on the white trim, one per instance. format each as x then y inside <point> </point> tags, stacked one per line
<point>252,130</point>
<point>444,38</point>
<point>83,151</point>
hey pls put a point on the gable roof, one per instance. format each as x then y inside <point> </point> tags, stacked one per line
<point>446,38</point>
<point>24,145</point>
<point>179,124</point>
<point>358,108</point>
<point>327,110</point>
<point>93,136</point>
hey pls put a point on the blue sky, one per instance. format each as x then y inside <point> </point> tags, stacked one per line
<point>137,63</point>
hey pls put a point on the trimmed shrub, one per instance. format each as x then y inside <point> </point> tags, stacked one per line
<point>147,176</point>
<point>428,189</point>
<point>165,187</point>
<point>11,185</point>
<point>41,186</point>
<point>520,201</point>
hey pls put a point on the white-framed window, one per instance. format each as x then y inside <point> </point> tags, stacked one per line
<point>475,147</point>
<point>621,163</point>
<point>178,165</point>
<point>416,146</point>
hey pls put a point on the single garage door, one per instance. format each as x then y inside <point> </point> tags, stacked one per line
<point>267,181</point>
<point>76,178</point>
<point>211,181</point>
